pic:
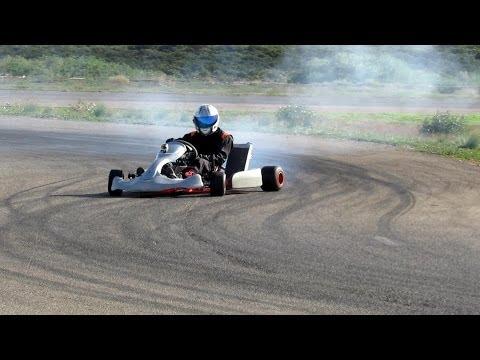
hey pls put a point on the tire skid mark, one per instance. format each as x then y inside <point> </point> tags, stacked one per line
<point>215,247</point>
<point>75,276</point>
<point>301,186</point>
<point>44,227</point>
<point>284,287</point>
<point>105,295</point>
<point>333,176</point>
<point>373,279</point>
<point>231,253</point>
<point>92,280</point>
<point>405,197</point>
<point>307,193</point>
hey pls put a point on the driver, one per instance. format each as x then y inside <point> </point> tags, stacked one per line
<point>213,144</point>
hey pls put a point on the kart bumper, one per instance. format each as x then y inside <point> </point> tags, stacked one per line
<point>159,183</point>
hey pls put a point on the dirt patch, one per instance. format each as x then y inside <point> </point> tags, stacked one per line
<point>387,128</point>
<point>381,128</point>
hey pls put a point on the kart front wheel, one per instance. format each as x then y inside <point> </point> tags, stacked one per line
<point>114,173</point>
<point>273,178</point>
<point>218,184</point>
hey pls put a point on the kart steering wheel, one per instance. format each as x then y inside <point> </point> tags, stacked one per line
<point>189,146</point>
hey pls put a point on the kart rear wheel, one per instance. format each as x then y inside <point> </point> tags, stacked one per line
<point>114,173</point>
<point>273,178</point>
<point>218,184</point>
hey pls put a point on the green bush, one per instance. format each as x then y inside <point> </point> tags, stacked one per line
<point>90,109</point>
<point>30,109</point>
<point>472,142</point>
<point>16,66</point>
<point>446,88</point>
<point>99,110</point>
<point>443,123</point>
<point>47,112</point>
<point>133,114</point>
<point>299,77</point>
<point>82,106</point>
<point>295,115</point>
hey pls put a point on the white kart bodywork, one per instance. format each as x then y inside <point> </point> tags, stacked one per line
<point>153,181</point>
<point>247,178</point>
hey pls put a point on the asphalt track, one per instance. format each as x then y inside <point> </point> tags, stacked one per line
<point>358,229</point>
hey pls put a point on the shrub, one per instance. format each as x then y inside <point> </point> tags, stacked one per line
<point>299,77</point>
<point>471,143</point>
<point>295,115</point>
<point>82,106</point>
<point>443,123</point>
<point>446,89</point>
<point>119,80</point>
<point>30,109</point>
<point>162,78</point>
<point>133,114</point>
<point>91,109</point>
<point>99,110</point>
<point>47,112</point>
<point>16,66</point>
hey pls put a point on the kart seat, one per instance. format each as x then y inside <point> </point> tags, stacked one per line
<point>238,159</point>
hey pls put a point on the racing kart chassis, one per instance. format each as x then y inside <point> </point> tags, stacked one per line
<point>235,175</point>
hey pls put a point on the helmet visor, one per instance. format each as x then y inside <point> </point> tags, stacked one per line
<point>205,121</point>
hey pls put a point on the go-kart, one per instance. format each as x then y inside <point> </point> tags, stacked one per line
<point>180,154</point>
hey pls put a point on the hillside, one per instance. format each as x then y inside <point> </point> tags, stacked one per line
<point>279,63</point>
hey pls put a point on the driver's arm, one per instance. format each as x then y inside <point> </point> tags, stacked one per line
<point>223,150</point>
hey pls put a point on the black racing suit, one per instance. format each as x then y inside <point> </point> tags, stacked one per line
<point>217,145</point>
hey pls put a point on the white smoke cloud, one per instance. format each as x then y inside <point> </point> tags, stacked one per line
<point>361,64</point>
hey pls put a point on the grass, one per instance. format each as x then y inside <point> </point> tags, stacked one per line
<point>390,117</point>
<point>88,111</point>
<point>153,83</point>
<point>327,124</point>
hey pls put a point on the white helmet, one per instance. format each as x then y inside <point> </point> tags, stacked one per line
<point>206,119</point>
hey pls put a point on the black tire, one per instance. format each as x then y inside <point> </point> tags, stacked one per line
<point>273,178</point>
<point>140,171</point>
<point>218,184</point>
<point>112,174</point>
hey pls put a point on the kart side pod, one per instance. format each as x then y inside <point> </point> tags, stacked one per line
<point>269,178</point>
<point>247,178</point>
